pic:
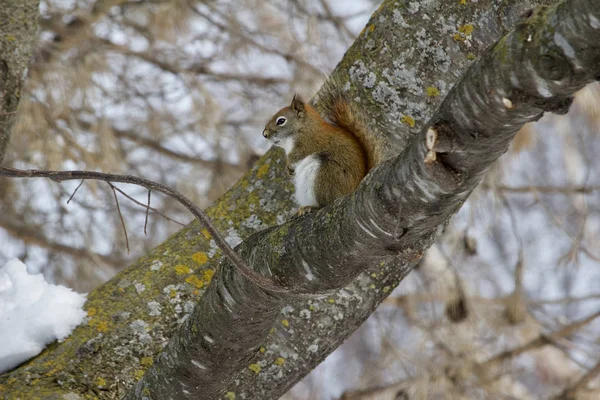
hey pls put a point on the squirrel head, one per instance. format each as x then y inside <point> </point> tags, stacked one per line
<point>287,122</point>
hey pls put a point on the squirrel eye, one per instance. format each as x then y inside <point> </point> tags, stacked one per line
<point>280,121</point>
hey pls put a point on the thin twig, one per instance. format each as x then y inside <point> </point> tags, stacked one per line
<point>337,21</point>
<point>75,191</point>
<point>120,215</point>
<point>147,209</point>
<point>59,176</point>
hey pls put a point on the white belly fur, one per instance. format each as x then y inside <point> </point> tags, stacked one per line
<point>305,174</point>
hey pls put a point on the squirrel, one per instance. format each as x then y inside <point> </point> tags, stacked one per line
<point>328,156</point>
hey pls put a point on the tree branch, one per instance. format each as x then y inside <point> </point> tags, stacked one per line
<point>34,235</point>
<point>18,28</point>
<point>399,209</point>
<point>539,341</point>
<point>214,350</point>
<point>548,189</point>
<point>59,176</point>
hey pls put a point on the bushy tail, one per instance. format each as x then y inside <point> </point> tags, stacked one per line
<point>341,111</point>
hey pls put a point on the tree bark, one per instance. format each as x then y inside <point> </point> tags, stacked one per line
<point>366,242</point>
<point>18,28</point>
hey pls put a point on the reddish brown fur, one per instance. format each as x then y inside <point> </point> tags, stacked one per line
<point>344,161</point>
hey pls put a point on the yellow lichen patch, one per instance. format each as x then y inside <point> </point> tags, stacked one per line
<point>433,91</point>
<point>408,120</point>
<point>466,29</point>
<point>200,257</point>
<point>272,330</point>
<point>207,275</point>
<point>262,171</point>
<point>99,381</point>
<point>311,307</point>
<point>230,396</point>
<point>279,361</point>
<point>138,374</point>
<point>371,28</point>
<point>101,326</point>
<point>173,293</point>
<point>182,269</point>
<point>471,56</point>
<point>195,292</point>
<point>463,33</point>
<point>285,322</point>
<point>254,368</point>
<point>462,2</point>
<point>458,37</point>
<point>262,349</point>
<point>386,289</point>
<point>372,286</point>
<point>35,382</point>
<point>194,280</point>
<point>51,372</point>
<point>331,300</point>
<point>146,361</point>
<point>205,233</point>
<point>374,275</point>
<point>10,381</point>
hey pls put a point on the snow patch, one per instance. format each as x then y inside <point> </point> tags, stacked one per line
<point>33,313</point>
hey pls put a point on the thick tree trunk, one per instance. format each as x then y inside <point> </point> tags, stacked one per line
<point>368,242</point>
<point>18,28</point>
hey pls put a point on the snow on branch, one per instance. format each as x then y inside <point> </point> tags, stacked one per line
<point>33,313</point>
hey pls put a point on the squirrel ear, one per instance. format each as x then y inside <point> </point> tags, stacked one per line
<point>297,104</point>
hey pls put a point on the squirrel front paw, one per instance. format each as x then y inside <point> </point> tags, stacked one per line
<point>304,210</point>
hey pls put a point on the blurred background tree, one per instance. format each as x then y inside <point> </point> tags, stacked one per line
<point>179,91</point>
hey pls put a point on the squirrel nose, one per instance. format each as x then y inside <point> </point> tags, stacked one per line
<point>266,134</point>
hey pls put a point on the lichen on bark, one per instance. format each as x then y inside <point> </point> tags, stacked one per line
<point>18,29</point>
<point>124,334</point>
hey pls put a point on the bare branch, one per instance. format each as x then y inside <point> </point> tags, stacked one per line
<point>60,176</point>
<point>74,191</point>
<point>337,21</point>
<point>120,216</point>
<point>147,208</point>
<point>36,237</point>
<point>548,189</point>
<point>541,340</point>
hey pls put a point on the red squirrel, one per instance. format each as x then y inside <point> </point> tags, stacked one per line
<point>328,158</point>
